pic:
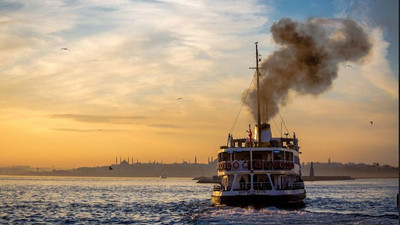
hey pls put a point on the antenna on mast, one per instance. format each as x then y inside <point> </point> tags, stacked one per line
<point>258,96</point>
<point>258,59</point>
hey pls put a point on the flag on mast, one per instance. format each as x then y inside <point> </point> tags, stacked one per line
<point>250,135</point>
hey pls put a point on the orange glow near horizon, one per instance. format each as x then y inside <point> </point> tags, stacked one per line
<point>168,87</point>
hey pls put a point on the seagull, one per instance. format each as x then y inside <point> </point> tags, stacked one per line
<point>66,49</point>
<point>110,168</point>
<point>178,98</point>
<point>371,122</point>
<point>347,65</point>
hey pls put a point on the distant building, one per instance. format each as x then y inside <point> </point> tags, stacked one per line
<point>124,163</point>
<point>312,170</point>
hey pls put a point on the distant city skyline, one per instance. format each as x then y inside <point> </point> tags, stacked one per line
<point>84,81</point>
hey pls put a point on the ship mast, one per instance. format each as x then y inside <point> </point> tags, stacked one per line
<point>258,97</point>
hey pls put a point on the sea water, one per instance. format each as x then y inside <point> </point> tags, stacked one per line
<point>78,200</point>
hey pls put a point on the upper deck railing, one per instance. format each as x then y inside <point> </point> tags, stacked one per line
<point>244,165</point>
<point>274,143</point>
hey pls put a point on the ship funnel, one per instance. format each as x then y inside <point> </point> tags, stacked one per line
<point>266,136</point>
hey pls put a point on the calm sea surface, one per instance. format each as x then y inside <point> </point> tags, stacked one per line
<point>70,200</point>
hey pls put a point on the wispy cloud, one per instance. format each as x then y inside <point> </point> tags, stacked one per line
<point>124,57</point>
<point>86,130</point>
<point>98,119</point>
<point>165,126</point>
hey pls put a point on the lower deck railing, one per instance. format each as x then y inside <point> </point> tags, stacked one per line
<point>260,186</point>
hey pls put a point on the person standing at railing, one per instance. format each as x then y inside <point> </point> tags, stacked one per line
<point>242,184</point>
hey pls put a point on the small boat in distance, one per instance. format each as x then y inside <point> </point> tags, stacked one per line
<point>163,176</point>
<point>264,171</point>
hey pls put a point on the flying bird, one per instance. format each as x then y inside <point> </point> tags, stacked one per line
<point>65,49</point>
<point>371,122</point>
<point>347,65</point>
<point>178,98</point>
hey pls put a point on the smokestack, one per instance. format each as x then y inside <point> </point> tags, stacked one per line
<point>307,61</point>
<point>265,135</point>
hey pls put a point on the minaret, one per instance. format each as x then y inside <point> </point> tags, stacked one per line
<point>312,170</point>
<point>116,160</point>
<point>195,160</point>
<point>120,160</point>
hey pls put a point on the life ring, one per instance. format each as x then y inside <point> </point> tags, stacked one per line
<point>282,165</point>
<point>268,164</point>
<point>257,164</point>
<point>228,165</point>
<point>245,165</point>
<point>275,165</point>
<point>223,165</point>
<point>236,165</point>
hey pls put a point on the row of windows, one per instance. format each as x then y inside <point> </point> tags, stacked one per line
<point>258,155</point>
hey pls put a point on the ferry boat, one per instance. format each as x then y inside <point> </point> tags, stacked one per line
<point>260,170</point>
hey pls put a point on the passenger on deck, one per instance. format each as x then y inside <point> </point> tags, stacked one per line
<point>242,184</point>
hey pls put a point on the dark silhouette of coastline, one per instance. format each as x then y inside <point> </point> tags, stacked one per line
<point>208,170</point>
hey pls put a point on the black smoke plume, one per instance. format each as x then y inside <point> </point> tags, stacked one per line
<point>307,61</point>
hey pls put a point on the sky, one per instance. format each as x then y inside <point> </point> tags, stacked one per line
<point>162,81</point>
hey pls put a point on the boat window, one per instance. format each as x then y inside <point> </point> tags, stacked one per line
<point>242,183</point>
<point>278,155</point>
<point>225,156</point>
<point>261,182</point>
<point>289,156</point>
<point>263,155</point>
<point>257,156</point>
<point>275,143</point>
<point>241,156</point>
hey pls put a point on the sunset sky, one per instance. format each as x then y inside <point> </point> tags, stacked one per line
<point>163,80</point>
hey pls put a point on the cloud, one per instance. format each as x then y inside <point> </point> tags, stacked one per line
<point>120,52</point>
<point>86,130</point>
<point>98,119</point>
<point>164,126</point>
<point>377,70</point>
